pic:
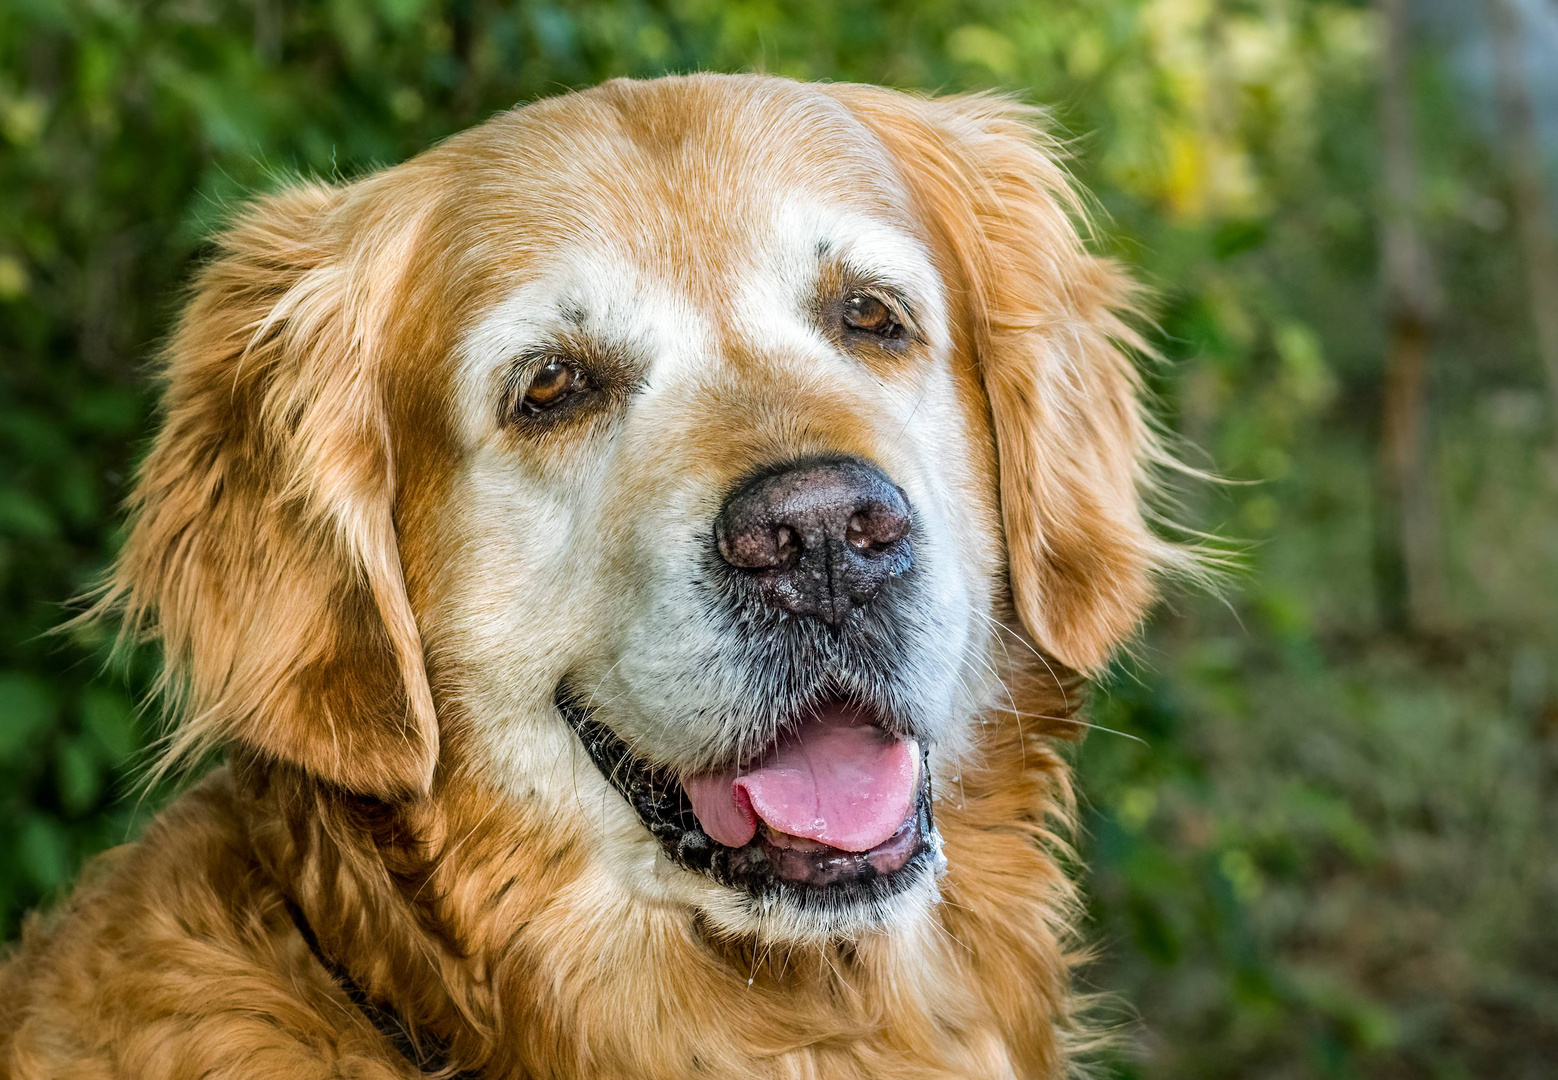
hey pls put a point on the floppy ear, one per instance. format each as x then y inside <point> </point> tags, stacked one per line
<point>262,549</point>
<point>1046,328</point>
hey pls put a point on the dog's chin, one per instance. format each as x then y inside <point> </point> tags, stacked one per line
<point>775,888</point>
<point>786,918</point>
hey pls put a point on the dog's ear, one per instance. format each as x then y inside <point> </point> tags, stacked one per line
<point>1046,322</point>
<point>262,548</point>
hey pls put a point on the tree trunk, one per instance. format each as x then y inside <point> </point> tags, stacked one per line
<point>1410,578</point>
<point>1533,211</point>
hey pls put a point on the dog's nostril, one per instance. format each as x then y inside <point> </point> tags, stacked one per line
<point>820,538</point>
<point>746,548</point>
<point>878,526</point>
<point>786,546</point>
<point>856,533</point>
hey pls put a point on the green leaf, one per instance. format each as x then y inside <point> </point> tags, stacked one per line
<point>22,514</point>
<point>79,773</point>
<point>108,716</point>
<point>27,707</point>
<point>45,850</point>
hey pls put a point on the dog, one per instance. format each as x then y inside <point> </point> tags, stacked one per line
<point>640,562</point>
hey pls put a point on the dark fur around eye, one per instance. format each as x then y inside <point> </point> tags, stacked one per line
<point>557,385</point>
<point>869,315</point>
<point>860,312</point>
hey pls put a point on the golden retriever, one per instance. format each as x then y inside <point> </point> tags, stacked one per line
<point>636,558</point>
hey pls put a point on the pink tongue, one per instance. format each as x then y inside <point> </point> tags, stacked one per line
<point>836,779</point>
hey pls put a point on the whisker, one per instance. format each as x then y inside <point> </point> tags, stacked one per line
<point>449,854</point>
<point>1079,723</point>
<point>950,936</point>
<point>1059,683</point>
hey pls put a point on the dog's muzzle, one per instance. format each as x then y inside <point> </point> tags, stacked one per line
<point>835,805</point>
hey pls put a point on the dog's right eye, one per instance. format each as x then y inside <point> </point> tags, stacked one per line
<point>551,386</point>
<point>870,315</point>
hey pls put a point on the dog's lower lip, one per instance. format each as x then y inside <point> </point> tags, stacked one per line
<point>814,864</point>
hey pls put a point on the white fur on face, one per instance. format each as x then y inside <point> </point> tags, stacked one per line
<point>581,556</point>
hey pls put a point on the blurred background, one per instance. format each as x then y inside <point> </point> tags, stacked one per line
<point>1321,837</point>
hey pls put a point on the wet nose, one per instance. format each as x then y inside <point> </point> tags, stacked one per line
<point>817,538</point>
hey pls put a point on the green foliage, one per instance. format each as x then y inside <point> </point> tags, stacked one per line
<point>1329,855</point>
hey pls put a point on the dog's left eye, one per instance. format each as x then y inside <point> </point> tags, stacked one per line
<point>551,386</point>
<point>869,315</point>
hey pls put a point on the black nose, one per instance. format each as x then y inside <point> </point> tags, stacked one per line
<point>819,537</point>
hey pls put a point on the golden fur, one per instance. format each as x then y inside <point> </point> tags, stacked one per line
<point>302,547</point>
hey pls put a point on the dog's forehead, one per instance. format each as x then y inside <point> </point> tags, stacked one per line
<point>686,176</point>
<point>680,214</point>
<point>698,158</point>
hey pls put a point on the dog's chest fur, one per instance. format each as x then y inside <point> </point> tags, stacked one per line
<point>497,941</point>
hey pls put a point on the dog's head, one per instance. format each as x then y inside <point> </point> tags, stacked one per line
<point>675,459</point>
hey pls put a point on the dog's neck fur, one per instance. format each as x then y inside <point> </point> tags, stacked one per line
<point>491,931</point>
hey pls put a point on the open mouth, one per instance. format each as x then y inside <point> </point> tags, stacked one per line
<point>836,809</point>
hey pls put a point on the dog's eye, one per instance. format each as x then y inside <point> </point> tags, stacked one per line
<point>870,316</point>
<point>552,385</point>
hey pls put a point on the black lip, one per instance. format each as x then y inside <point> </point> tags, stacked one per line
<point>837,877</point>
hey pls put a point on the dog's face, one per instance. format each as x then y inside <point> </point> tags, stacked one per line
<point>725,503</point>
<point>677,460</point>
